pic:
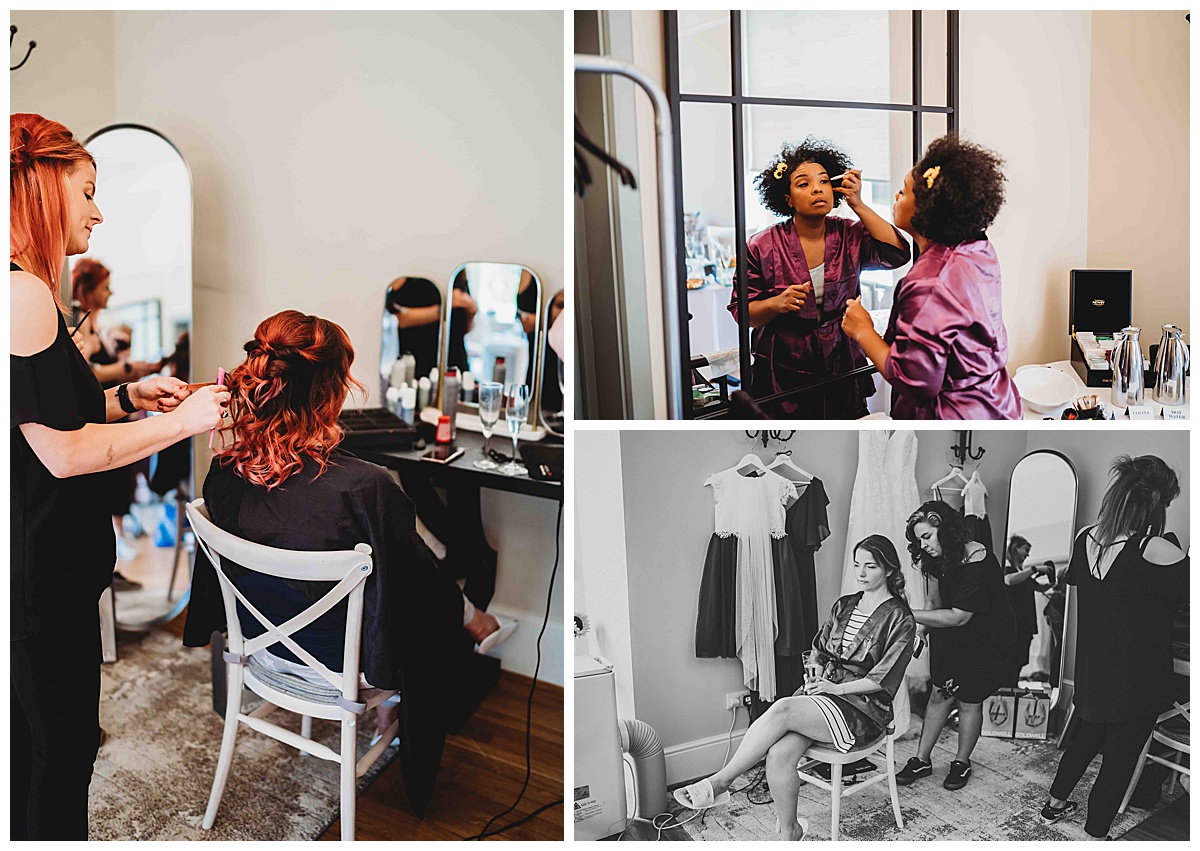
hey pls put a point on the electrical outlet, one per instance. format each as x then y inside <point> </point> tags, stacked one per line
<point>737,698</point>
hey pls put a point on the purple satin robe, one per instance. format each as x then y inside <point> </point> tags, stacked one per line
<point>798,348</point>
<point>949,346</point>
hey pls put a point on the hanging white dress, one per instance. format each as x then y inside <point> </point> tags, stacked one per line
<point>752,510</point>
<point>885,494</point>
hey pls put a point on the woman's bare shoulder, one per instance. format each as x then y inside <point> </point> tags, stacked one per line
<point>33,316</point>
<point>1162,552</point>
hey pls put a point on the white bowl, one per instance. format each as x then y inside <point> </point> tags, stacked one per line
<point>1045,388</point>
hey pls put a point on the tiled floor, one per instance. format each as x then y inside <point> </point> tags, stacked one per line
<point>1001,802</point>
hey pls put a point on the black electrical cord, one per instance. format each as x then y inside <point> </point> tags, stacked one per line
<point>529,817</point>
<point>529,706</point>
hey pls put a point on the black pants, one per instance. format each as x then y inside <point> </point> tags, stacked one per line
<point>1020,655</point>
<point>55,728</point>
<point>1121,743</point>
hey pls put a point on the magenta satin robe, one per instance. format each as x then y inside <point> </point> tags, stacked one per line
<point>797,348</point>
<point>949,346</point>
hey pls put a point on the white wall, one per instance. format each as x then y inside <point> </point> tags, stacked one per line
<point>1025,80</point>
<point>1139,115</point>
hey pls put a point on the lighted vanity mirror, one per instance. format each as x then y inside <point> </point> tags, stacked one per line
<point>492,330</point>
<point>143,313</point>
<point>411,325</point>
<point>553,388</point>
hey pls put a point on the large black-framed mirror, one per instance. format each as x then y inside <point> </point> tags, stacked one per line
<point>1040,531</point>
<point>142,309</point>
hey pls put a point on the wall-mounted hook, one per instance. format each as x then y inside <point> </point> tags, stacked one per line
<point>767,436</point>
<point>12,34</point>
<point>962,448</point>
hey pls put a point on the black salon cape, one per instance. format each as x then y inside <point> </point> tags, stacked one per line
<point>413,637</point>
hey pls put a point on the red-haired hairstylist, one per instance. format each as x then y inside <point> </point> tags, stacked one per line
<point>61,434</point>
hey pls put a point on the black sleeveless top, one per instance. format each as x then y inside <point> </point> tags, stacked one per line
<point>1123,658</point>
<point>62,545</point>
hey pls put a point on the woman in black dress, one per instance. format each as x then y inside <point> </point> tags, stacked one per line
<point>61,433</point>
<point>1129,576</point>
<point>971,642</point>
<point>1021,590</point>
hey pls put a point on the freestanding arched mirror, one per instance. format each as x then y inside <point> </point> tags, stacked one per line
<point>412,324</point>
<point>492,328</point>
<point>1041,528</point>
<point>144,189</point>
<point>554,378</point>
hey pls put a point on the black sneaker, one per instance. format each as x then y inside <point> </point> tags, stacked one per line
<point>1053,814</point>
<point>960,773</point>
<point>915,769</point>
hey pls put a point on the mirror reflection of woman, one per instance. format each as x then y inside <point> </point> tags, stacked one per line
<point>945,348</point>
<point>91,288</point>
<point>417,305</point>
<point>864,648</point>
<point>1130,577</point>
<point>63,430</point>
<point>1021,589</point>
<point>971,630</point>
<point>800,274</point>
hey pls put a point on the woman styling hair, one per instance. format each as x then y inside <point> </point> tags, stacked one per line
<point>1021,587</point>
<point>62,431</point>
<point>281,481</point>
<point>801,273</point>
<point>863,649</point>
<point>1127,571</point>
<point>971,642</point>
<point>946,347</point>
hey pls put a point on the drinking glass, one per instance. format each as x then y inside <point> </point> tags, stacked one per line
<point>491,399</point>
<point>516,399</point>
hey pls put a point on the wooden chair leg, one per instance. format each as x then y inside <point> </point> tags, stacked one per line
<point>891,769</point>
<point>837,800</point>
<point>233,708</point>
<point>347,772</point>
<point>305,730</point>
<point>1176,758</point>
<point>1137,774</point>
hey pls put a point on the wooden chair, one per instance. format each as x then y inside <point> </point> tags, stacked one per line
<point>880,753</point>
<point>340,700</point>
<point>1172,729</point>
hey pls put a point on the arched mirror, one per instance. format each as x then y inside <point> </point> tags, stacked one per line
<point>136,280</point>
<point>1041,528</point>
<point>554,376</point>
<point>492,327</point>
<point>411,325</point>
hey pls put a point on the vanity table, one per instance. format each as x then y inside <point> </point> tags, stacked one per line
<point>1104,395</point>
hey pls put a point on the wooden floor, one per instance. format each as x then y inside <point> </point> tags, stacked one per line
<point>1171,824</point>
<point>483,767</point>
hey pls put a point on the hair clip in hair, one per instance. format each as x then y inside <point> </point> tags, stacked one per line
<point>930,175</point>
<point>780,169</point>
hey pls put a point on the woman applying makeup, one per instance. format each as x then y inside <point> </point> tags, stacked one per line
<point>800,274</point>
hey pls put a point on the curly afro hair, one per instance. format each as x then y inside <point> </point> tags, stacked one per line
<point>773,191</point>
<point>966,194</point>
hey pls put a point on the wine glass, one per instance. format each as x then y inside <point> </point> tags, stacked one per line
<point>491,398</point>
<point>516,399</point>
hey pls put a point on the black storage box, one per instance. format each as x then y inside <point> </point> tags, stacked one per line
<point>1102,303</point>
<point>377,428</point>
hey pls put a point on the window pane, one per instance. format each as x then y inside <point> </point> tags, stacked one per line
<point>878,142</point>
<point>933,63</point>
<point>704,53</point>
<point>859,56</point>
<point>933,125</point>
<point>706,139</point>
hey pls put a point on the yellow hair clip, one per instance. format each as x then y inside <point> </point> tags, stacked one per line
<point>930,175</point>
<point>780,169</point>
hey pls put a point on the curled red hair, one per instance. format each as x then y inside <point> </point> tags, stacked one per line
<point>286,398</point>
<point>41,153</point>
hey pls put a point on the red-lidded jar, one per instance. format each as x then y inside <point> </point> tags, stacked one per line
<point>443,429</point>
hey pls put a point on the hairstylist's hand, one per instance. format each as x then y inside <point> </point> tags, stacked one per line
<point>460,299</point>
<point>791,299</point>
<point>856,322</point>
<point>203,409</point>
<point>822,686</point>
<point>159,393</point>
<point>142,368</point>
<point>851,188</point>
<point>88,344</point>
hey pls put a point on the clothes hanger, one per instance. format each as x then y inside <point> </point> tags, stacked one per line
<point>783,459</point>
<point>583,176</point>
<point>748,460</point>
<point>949,478</point>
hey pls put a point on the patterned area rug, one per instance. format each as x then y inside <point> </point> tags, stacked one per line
<point>1001,802</point>
<point>154,774</point>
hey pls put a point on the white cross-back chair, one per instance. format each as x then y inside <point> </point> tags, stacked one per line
<point>340,700</point>
<point>880,753</point>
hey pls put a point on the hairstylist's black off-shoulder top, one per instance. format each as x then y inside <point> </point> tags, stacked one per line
<point>63,549</point>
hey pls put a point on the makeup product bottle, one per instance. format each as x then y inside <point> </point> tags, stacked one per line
<point>396,377</point>
<point>408,402</point>
<point>451,390</point>
<point>468,387</point>
<point>393,399</point>
<point>423,389</point>
<point>443,430</point>
<point>410,367</point>
<point>499,368</point>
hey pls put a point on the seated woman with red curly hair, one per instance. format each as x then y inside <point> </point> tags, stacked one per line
<point>281,481</point>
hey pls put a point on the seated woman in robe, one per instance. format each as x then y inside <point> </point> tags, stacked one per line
<point>800,274</point>
<point>281,481</point>
<point>863,650</point>
<point>946,347</point>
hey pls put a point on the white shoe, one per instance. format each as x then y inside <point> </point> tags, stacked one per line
<point>507,627</point>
